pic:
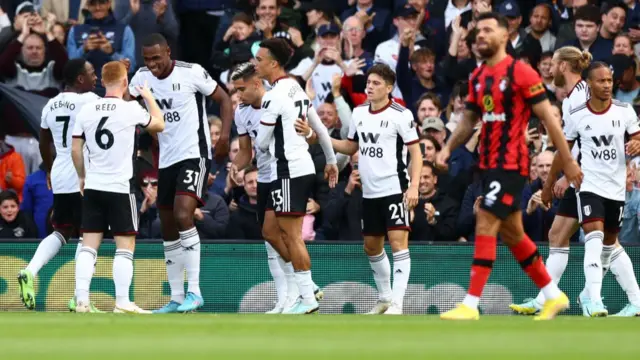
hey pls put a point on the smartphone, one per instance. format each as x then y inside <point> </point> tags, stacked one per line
<point>94,30</point>
<point>422,149</point>
<point>355,166</point>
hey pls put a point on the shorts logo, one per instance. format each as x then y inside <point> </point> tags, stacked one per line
<point>587,210</point>
<point>507,199</point>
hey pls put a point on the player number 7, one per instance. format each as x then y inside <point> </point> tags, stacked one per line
<point>65,128</point>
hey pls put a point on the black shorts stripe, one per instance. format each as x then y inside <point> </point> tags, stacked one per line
<point>202,137</point>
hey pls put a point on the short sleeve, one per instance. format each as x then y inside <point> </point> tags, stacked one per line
<point>406,128</point>
<point>135,81</point>
<point>139,114</point>
<point>237,118</point>
<point>529,83</point>
<point>43,117</point>
<point>632,126</point>
<point>569,126</point>
<point>471,103</point>
<point>202,80</point>
<point>271,110</point>
<point>353,130</point>
<point>78,130</point>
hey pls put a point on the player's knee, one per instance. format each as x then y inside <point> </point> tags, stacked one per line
<point>184,219</point>
<point>372,249</point>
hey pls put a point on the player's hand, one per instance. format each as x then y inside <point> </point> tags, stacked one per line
<point>442,158</point>
<point>411,197</point>
<point>331,174</point>
<point>546,195</point>
<point>198,215</point>
<point>560,187</point>
<point>145,92</point>
<point>632,148</point>
<point>573,173</point>
<point>476,204</point>
<point>222,148</point>
<point>81,185</point>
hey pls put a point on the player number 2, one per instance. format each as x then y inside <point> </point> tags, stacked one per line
<point>102,133</point>
<point>192,177</point>
<point>495,189</point>
<point>397,211</point>
<point>65,128</point>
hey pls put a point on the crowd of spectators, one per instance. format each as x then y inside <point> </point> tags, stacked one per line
<point>429,43</point>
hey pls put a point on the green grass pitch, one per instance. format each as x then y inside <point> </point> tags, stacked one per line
<point>202,336</point>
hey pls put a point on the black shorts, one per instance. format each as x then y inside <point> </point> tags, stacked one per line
<point>502,192</point>
<point>289,197</point>
<point>67,211</point>
<point>103,210</point>
<point>264,193</point>
<point>187,177</point>
<point>592,207</point>
<point>384,214</point>
<point>568,206</point>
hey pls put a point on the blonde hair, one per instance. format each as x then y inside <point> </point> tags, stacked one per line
<point>214,121</point>
<point>113,72</point>
<point>579,60</point>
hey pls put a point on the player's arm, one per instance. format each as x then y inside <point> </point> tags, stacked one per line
<point>323,135</point>
<point>244,155</point>
<point>350,145</point>
<point>46,142</point>
<point>77,156</point>
<point>409,135</point>
<point>632,147</point>
<point>226,114</point>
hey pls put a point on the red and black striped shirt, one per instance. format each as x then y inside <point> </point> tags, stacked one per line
<point>502,96</point>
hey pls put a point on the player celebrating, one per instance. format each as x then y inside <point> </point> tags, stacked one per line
<point>383,131</point>
<point>502,92</point>
<point>185,156</point>
<point>108,127</point>
<point>58,117</point>
<point>247,118</point>
<point>601,124</point>
<point>293,171</point>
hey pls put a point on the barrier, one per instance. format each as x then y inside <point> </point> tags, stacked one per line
<point>235,278</point>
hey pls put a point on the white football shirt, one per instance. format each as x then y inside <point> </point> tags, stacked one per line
<point>59,116</point>
<point>247,120</point>
<point>382,138</point>
<point>181,97</point>
<point>576,97</point>
<point>283,105</point>
<point>108,126</point>
<point>600,138</point>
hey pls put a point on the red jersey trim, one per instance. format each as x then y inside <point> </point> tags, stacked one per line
<point>350,139</point>
<point>634,134</point>
<point>600,112</point>
<point>381,109</point>
<point>267,124</point>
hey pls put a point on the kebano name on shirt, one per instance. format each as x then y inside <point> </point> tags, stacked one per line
<point>62,104</point>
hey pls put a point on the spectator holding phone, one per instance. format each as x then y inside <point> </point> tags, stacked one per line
<point>101,39</point>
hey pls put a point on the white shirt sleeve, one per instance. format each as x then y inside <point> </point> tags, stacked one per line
<point>78,129</point>
<point>302,67</point>
<point>242,130</point>
<point>43,117</point>
<point>267,122</point>
<point>406,128</point>
<point>632,125</point>
<point>139,114</point>
<point>570,129</point>
<point>353,131</point>
<point>135,81</point>
<point>202,80</point>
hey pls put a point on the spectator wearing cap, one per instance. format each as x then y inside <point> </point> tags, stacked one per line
<point>614,15</point>
<point>511,11</point>
<point>376,19</point>
<point>434,126</point>
<point>146,18</point>
<point>101,39</point>
<point>587,22</point>
<point>237,43</point>
<point>624,78</point>
<point>540,21</point>
<point>404,19</point>
<point>326,62</point>
<point>67,12</point>
<point>353,47</point>
<point>318,13</point>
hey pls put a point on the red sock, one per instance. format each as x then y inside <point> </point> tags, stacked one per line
<point>483,257</point>
<point>527,255</point>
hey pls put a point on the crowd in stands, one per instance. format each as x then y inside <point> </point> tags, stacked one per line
<point>429,43</point>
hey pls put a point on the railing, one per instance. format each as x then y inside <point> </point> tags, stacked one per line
<point>235,277</point>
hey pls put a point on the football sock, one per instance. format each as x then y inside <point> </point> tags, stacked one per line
<point>173,258</point>
<point>122,275</point>
<point>381,275</point>
<point>191,246</point>
<point>622,268</point>
<point>78,248</point>
<point>605,258</point>
<point>401,272</point>
<point>47,249</point>
<point>277,272</point>
<point>556,265</point>
<point>292,286</point>
<point>305,286</point>
<point>483,258</point>
<point>526,253</point>
<point>84,272</point>
<point>593,264</point>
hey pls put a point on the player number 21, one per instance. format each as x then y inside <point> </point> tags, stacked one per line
<point>395,209</point>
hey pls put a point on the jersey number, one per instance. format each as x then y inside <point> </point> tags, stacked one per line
<point>101,133</point>
<point>65,128</point>
<point>495,189</point>
<point>192,177</point>
<point>276,196</point>
<point>395,209</point>
<point>302,106</point>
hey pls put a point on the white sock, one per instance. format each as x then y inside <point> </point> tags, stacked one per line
<point>401,272</point>
<point>593,264</point>
<point>191,244</point>
<point>122,276</point>
<point>382,275</point>
<point>277,272</point>
<point>47,249</point>
<point>173,259</point>
<point>556,265</point>
<point>84,272</point>
<point>290,277</point>
<point>78,248</point>
<point>551,291</point>
<point>622,268</point>
<point>305,286</point>
<point>471,301</point>
<point>607,251</point>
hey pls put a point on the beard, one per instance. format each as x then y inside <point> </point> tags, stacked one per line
<point>559,80</point>
<point>487,52</point>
